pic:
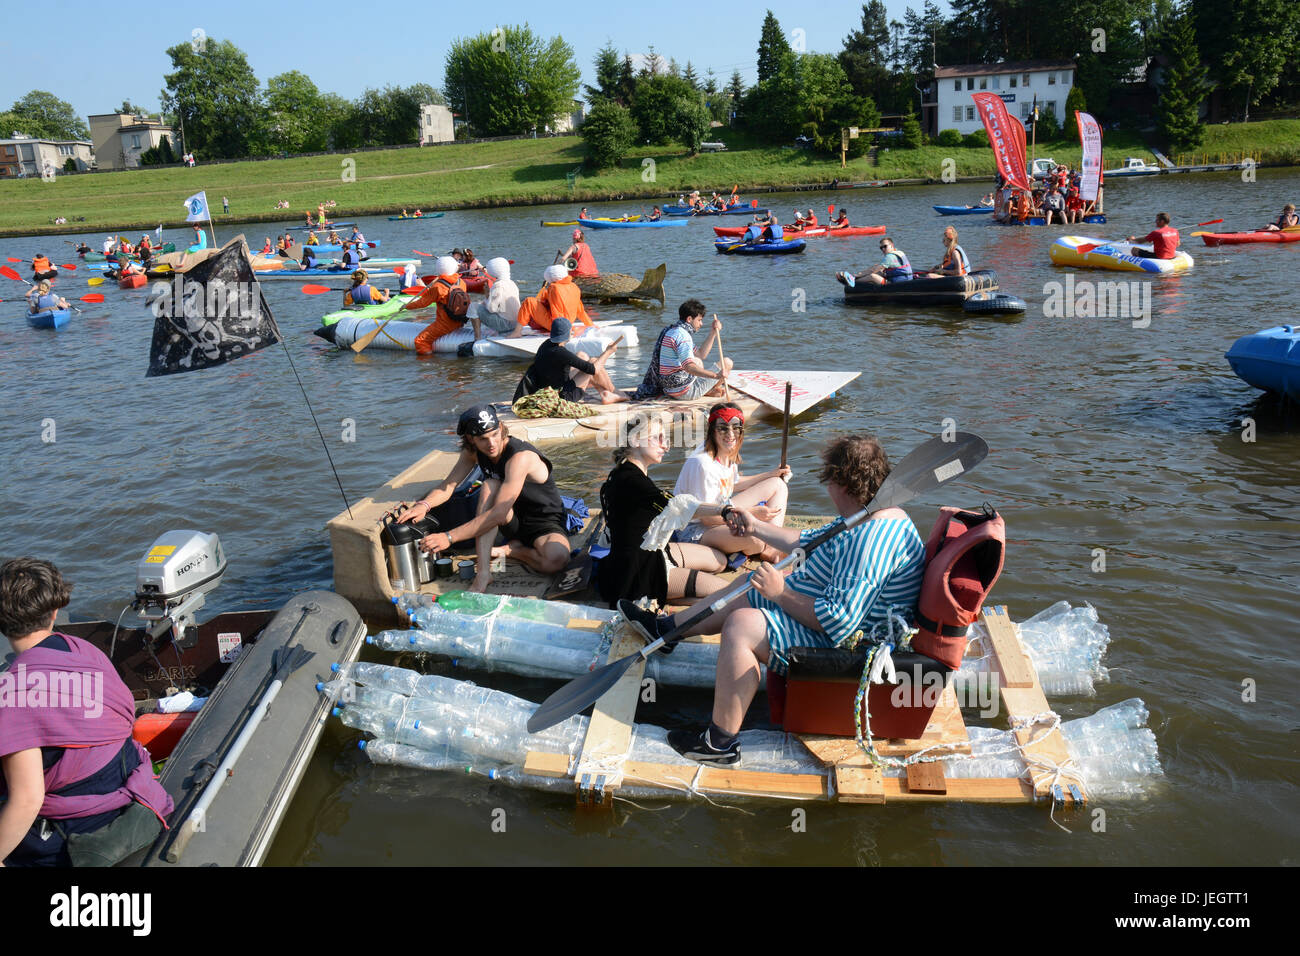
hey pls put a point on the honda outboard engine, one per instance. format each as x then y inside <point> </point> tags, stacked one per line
<point>172,579</point>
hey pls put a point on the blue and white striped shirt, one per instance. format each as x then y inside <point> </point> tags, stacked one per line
<point>856,576</point>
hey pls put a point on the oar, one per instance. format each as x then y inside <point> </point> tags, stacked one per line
<point>99,280</point>
<point>61,265</point>
<point>926,468</point>
<point>722,364</point>
<point>423,255</point>
<point>1210,223</point>
<point>369,337</point>
<point>785,426</point>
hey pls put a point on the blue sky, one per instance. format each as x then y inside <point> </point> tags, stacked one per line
<point>95,56</point>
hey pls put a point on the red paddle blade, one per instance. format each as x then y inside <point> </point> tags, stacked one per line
<point>753,204</point>
<point>9,273</point>
<point>315,289</point>
<point>93,297</point>
<point>15,259</point>
<point>417,252</point>
<point>1086,248</point>
<point>70,268</point>
<point>1210,223</point>
<point>399,270</point>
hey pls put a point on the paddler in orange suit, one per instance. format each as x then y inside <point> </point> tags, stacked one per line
<point>582,253</point>
<point>557,298</point>
<point>436,294</point>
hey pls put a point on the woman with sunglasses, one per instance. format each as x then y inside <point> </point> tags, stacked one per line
<point>713,476</point>
<point>630,500</point>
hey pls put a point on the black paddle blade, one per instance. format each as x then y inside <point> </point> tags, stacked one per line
<point>579,694</point>
<point>929,466</point>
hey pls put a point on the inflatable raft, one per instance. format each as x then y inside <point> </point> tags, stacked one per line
<point>1269,360</point>
<point>398,335</point>
<point>1102,254</point>
<point>1248,238</point>
<point>962,210</point>
<point>49,319</point>
<point>949,290</point>
<point>734,247</point>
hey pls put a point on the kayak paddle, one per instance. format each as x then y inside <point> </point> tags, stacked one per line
<point>1210,223</point>
<point>369,337</point>
<point>425,255</point>
<point>10,273</point>
<point>316,289</point>
<point>927,467</point>
<point>98,280</point>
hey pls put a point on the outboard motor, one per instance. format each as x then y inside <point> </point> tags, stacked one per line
<point>172,581</point>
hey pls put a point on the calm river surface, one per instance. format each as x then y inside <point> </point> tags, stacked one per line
<point>1102,435</point>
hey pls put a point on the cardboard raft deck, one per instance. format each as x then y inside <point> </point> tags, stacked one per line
<point>602,768</point>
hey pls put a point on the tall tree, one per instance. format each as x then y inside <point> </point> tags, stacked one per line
<point>865,56</point>
<point>608,132</point>
<point>1181,88</point>
<point>215,95</point>
<point>710,82</point>
<point>773,49</point>
<point>131,109</point>
<point>654,104</point>
<point>736,87</point>
<point>44,116</point>
<point>608,67</point>
<point>293,122</point>
<point>653,65</point>
<point>522,87</point>
<point>626,80</point>
<point>690,76</point>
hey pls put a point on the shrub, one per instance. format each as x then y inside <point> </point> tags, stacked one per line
<point>976,140</point>
<point>608,132</point>
<point>912,136</point>
<point>949,137</point>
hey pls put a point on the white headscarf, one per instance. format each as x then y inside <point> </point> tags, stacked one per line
<point>503,297</point>
<point>555,273</point>
<point>447,266</point>
<point>498,268</point>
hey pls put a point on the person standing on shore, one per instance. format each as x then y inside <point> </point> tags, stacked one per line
<point>225,205</point>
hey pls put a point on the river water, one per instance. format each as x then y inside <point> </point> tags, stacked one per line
<point>1103,436</point>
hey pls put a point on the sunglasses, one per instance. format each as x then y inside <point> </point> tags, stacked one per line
<point>729,427</point>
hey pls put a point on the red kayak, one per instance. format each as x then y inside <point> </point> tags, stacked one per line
<point>846,233</point>
<point>1242,238</point>
<point>474,281</point>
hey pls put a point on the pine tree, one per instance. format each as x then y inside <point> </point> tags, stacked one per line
<point>1182,88</point>
<point>736,88</point>
<point>608,67</point>
<point>1074,102</point>
<point>654,63</point>
<point>710,82</point>
<point>773,49</point>
<point>626,80</point>
<point>690,76</point>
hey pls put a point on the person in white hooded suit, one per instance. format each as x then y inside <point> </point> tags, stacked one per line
<point>501,309</point>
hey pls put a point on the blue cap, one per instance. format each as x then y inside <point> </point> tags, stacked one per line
<point>560,329</point>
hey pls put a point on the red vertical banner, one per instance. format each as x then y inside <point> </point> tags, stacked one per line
<point>1006,136</point>
<point>1090,140</point>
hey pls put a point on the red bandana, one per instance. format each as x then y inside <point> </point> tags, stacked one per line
<point>726,415</point>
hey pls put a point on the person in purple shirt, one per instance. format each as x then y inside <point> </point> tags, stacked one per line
<point>69,765</point>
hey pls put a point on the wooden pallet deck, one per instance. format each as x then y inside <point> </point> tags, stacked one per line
<point>849,777</point>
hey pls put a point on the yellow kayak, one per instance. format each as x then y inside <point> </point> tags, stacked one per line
<point>574,222</point>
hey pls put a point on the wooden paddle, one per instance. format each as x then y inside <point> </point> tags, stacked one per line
<point>722,364</point>
<point>360,344</point>
<point>785,425</point>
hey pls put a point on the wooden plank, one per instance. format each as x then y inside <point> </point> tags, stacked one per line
<point>963,790</point>
<point>1009,656</point>
<point>609,733</point>
<point>546,764</point>
<point>755,783</point>
<point>859,785</point>
<point>926,778</point>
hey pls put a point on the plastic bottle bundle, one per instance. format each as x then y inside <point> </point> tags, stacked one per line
<point>525,608</point>
<point>1065,643</point>
<point>535,649</point>
<point>388,752</point>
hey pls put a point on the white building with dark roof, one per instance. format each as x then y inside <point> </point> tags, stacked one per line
<point>947,103</point>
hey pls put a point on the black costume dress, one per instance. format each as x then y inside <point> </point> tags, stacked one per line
<point>630,501</point>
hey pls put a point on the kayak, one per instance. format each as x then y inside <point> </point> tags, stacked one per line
<point>132,281</point>
<point>374,310</point>
<point>328,247</point>
<point>49,319</point>
<point>574,222</point>
<point>375,273</point>
<point>948,290</point>
<point>638,224</point>
<point>427,215</point>
<point>1102,254</point>
<point>99,256</point>
<point>848,232</point>
<point>812,232</point>
<point>962,210</point>
<point>326,225</point>
<point>1244,238</point>
<point>399,335</point>
<point>733,211</point>
<point>1269,360</point>
<point>781,247</point>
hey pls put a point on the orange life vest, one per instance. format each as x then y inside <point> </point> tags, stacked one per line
<point>41,264</point>
<point>963,559</point>
<point>586,261</point>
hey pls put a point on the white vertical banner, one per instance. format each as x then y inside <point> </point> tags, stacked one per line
<point>1090,140</point>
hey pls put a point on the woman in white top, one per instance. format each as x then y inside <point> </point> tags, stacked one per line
<point>502,306</point>
<point>713,476</point>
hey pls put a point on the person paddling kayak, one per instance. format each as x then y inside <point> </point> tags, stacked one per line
<point>1163,239</point>
<point>1288,219</point>
<point>362,293</point>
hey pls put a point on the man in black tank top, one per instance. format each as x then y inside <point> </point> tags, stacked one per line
<point>519,499</point>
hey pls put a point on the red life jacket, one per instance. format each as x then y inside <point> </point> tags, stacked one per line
<point>963,559</point>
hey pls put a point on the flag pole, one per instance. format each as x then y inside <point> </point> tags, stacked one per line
<point>211,228</point>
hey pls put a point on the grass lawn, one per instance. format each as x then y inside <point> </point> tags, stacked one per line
<point>520,172</point>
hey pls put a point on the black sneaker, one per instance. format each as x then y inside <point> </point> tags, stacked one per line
<point>646,623</point>
<point>695,745</point>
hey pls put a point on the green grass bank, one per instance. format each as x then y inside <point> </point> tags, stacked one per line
<point>527,172</point>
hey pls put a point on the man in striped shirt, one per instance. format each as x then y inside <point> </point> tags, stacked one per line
<point>677,367</point>
<point>847,584</point>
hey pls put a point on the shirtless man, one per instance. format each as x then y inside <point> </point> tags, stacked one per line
<point>519,498</point>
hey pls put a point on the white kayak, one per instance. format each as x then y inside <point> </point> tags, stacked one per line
<point>400,336</point>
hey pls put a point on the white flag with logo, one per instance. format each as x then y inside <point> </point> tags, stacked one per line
<point>196,207</point>
<point>1090,139</point>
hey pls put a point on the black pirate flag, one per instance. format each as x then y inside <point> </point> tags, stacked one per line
<point>211,314</point>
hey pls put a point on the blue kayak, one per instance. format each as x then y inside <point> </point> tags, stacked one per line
<point>961,210</point>
<point>738,247</point>
<point>733,211</point>
<point>1269,360</point>
<point>639,224</point>
<point>49,319</point>
<point>326,247</point>
<point>1096,220</point>
<point>332,225</point>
